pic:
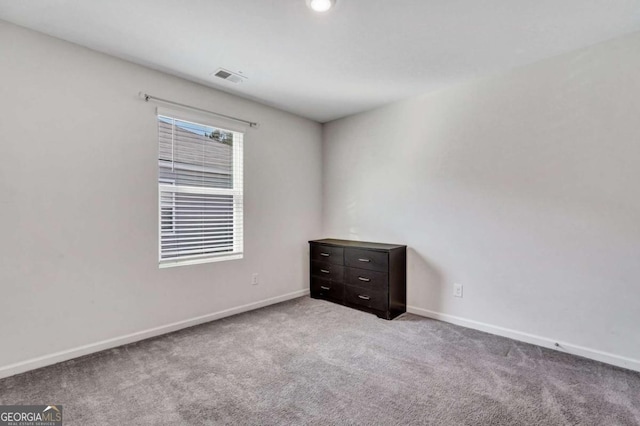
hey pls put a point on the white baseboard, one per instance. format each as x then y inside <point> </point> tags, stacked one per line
<point>43,361</point>
<point>608,358</point>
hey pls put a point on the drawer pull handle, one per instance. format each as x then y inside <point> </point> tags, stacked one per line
<point>325,254</point>
<point>324,271</point>
<point>325,288</point>
<point>364,297</point>
<point>365,260</point>
<point>366,280</point>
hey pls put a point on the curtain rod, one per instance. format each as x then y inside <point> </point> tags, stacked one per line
<point>148,97</point>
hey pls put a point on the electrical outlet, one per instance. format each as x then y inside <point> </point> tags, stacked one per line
<point>254,279</point>
<point>457,290</point>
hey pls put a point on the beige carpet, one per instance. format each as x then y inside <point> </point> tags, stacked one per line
<point>312,362</point>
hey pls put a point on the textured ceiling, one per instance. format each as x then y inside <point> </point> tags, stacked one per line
<point>362,54</point>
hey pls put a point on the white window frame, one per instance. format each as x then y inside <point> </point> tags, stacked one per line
<point>237,193</point>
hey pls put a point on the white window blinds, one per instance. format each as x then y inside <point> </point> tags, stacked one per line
<point>200,192</point>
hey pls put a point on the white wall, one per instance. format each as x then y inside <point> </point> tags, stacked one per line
<point>78,188</point>
<point>524,187</point>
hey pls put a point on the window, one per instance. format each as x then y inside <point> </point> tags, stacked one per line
<point>200,192</point>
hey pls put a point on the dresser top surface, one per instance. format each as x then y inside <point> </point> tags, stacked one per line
<point>358,244</point>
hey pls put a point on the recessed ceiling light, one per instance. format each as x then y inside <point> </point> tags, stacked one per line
<point>321,5</point>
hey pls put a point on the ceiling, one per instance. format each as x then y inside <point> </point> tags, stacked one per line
<point>360,55</point>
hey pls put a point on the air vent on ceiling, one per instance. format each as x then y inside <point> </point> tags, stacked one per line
<point>228,75</point>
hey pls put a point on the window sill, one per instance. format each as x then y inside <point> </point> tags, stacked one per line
<point>171,264</point>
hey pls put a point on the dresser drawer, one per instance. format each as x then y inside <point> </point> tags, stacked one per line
<point>327,289</point>
<point>373,299</point>
<point>367,279</point>
<point>366,259</point>
<point>329,254</point>
<point>327,271</point>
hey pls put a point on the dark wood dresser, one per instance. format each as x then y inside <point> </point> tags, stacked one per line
<point>371,277</point>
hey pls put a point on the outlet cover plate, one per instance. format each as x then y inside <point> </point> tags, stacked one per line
<point>457,290</point>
